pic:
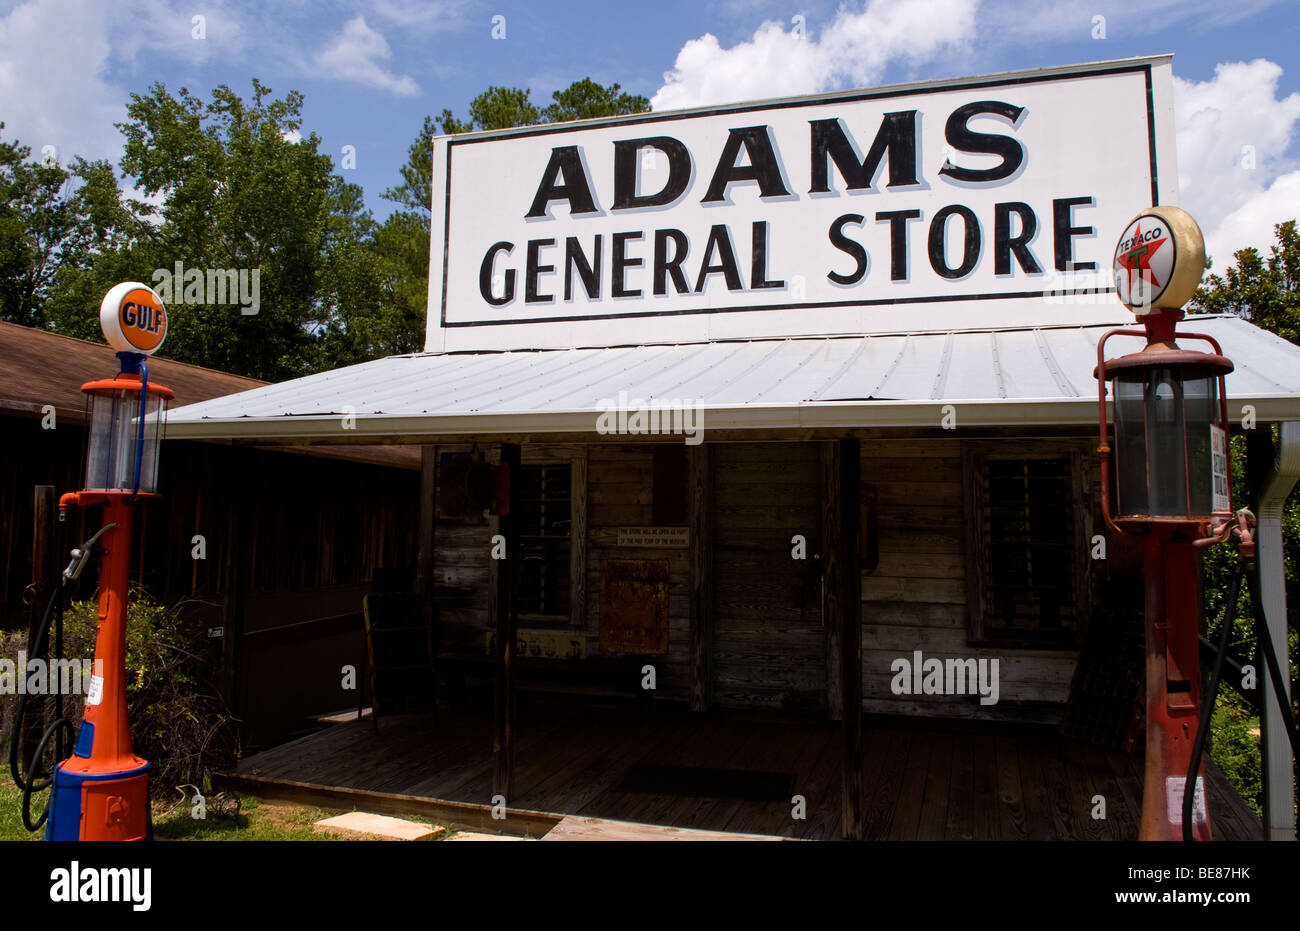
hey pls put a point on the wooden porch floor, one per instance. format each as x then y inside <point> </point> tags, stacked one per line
<point>923,780</point>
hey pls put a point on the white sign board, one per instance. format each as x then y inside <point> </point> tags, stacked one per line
<point>988,201</point>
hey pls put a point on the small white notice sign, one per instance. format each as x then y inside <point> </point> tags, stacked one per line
<point>95,694</point>
<point>654,536</point>
<point>1219,467</point>
<point>1174,786</point>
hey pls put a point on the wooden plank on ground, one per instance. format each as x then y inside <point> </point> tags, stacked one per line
<point>580,828</point>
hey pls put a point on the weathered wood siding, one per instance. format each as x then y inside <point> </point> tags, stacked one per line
<point>916,599</point>
<point>769,642</point>
<point>619,493</point>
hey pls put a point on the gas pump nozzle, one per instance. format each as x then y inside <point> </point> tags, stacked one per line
<point>81,555</point>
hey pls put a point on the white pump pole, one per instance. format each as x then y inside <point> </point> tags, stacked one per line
<point>1279,793</point>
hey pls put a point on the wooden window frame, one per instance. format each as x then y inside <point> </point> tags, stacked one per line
<point>576,458</point>
<point>975,454</point>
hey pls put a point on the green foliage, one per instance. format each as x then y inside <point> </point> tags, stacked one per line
<point>1234,747</point>
<point>178,721</point>
<point>233,184</point>
<point>585,100</point>
<point>394,312</point>
<point>52,222</point>
<point>1267,293</point>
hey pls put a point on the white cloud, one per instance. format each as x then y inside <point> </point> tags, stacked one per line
<point>355,55</point>
<point>1252,223</point>
<point>1233,171</point>
<point>423,16</point>
<point>1236,205</point>
<point>855,48</point>
<point>53,56</point>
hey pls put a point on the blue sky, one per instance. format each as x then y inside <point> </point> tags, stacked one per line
<point>371,71</point>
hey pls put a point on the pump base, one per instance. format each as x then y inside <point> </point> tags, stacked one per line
<point>100,806</point>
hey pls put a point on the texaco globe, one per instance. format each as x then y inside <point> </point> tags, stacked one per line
<point>1159,260</point>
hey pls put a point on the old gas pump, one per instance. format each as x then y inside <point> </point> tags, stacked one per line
<point>101,792</point>
<point>1171,488</point>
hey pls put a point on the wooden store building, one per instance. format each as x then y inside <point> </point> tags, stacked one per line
<point>795,398</point>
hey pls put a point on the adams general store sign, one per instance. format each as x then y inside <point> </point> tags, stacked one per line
<point>982,202</point>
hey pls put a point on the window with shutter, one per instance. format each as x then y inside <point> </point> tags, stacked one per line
<point>1025,532</point>
<point>544,513</point>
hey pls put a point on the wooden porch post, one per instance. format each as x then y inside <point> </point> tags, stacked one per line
<point>234,584</point>
<point>501,614</point>
<point>45,567</point>
<point>701,523</point>
<point>424,554</point>
<point>843,600</point>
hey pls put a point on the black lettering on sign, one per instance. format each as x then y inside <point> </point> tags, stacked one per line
<point>897,220</point>
<point>719,242</point>
<point>485,275</point>
<point>670,265</point>
<point>566,163</point>
<point>896,137</point>
<point>849,246</point>
<point>758,259</point>
<point>764,166</point>
<point>626,154</point>
<point>535,270</point>
<point>589,272</point>
<point>964,139</point>
<point>1063,233</point>
<point>939,238</point>
<point>620,263</point>
<point>1005,245</point>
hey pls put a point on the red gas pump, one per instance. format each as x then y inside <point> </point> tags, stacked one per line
<point>101,792</point>
<point>1171,488</point>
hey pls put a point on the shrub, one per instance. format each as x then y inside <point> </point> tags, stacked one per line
<point>179,722</point>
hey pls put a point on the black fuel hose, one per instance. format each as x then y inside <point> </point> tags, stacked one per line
<point>1207,708</point>
<point>32,784</point>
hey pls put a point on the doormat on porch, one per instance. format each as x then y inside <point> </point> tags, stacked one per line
<point>741,784</point>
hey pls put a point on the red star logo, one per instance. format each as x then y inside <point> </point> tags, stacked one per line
<point>1138,259</point>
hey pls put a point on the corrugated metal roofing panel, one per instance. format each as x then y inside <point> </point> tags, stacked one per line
<point>1041,375</point>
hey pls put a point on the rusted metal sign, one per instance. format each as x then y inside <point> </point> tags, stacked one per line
<point>634,606</point>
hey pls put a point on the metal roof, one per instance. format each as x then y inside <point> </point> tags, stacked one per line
<point>1034,376</point>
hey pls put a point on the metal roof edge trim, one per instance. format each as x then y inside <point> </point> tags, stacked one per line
<point>819,414</point>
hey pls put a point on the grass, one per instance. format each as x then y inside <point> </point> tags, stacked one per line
<point>257,821</point>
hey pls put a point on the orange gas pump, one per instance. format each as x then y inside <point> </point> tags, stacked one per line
<point>101,792</point>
